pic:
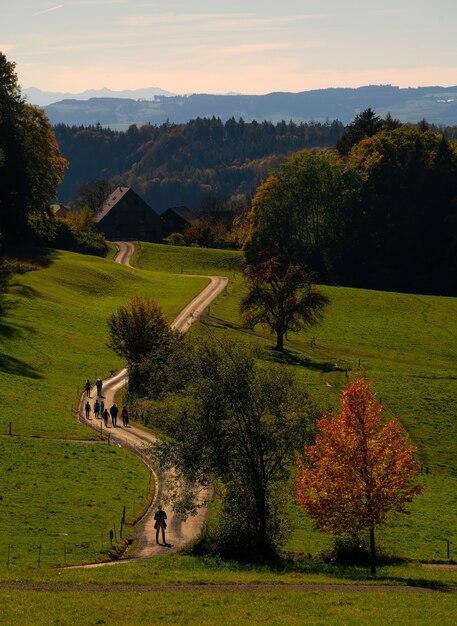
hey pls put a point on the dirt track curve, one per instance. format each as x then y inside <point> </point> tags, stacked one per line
<point>179,533</point>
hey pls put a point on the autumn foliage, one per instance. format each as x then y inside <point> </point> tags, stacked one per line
<point>360,469</point>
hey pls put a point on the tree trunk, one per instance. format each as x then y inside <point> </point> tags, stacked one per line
<point>372,553</point>
<point>280,341</point>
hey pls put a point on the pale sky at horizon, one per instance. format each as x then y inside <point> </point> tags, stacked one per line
<point>245,46</point>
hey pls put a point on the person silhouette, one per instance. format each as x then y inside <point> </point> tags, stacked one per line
<point>160,523</point>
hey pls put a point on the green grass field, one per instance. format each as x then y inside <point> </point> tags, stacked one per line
<point>407,345</point>
<point>53,337</point>
<point>179,259</point>
<point>273,608</point>
<point>61,499</point>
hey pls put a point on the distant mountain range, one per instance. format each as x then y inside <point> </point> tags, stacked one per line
<point>43,98</point>
<point>437,105</point>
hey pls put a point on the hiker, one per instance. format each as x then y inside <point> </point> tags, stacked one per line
<point>105,417</point>
<point>87,387</point>
<point>125,416</point>
<point>99,385</point>
<point>102,408</point>
<point>97,409</point>
<point>87,407</point>
<point>113,412</point>
<point>160,523</point>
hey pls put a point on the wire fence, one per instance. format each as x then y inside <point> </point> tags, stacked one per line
<point>58,549</point>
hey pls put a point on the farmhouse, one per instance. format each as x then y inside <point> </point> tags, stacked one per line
<point>60,210</point>
<point>176,219</point>
<point>125,215</point>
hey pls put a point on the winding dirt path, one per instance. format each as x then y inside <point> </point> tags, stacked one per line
<point>179,533</point>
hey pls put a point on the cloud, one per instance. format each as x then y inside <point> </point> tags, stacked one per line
<point>179,18</point>
<point>252,48</point>
<point>215,19</point>
<point>59,6</point>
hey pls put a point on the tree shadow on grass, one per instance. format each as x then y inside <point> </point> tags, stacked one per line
<point>8,331</point>
<point>26,257</point>
<point>24,290</point>
<point>16,367</point>
<point>289,358</point>
<point>301,564</point>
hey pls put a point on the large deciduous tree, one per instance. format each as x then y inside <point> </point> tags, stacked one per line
<point>32,166</point>
<point>93,194</point>
<point>360,470</point>
<point>281,296</point>
<point>238,425</point>
<point>297,212</point>
<point>140,333</point>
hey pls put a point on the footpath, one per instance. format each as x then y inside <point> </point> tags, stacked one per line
<point>179,532</point>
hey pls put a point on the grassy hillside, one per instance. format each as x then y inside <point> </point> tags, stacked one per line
<point>406,344</point>
<point>184,260</point>
<point>54,336</point>
<point>408,352</point>
<point>63,495</point>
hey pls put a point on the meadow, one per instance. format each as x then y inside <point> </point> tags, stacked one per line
<point>407,345</point>
<point>276,608</point>
<point>55,329</point>
<point>59,493</point>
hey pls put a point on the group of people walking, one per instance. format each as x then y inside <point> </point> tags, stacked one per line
<point>101,412</point>
<point>99,409</point>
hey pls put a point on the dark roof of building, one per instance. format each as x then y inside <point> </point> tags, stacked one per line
<point>110,202</point>
<point>60,208</point>
<point>183,212</point>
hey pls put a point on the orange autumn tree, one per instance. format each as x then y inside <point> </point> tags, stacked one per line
<point>360,470</point>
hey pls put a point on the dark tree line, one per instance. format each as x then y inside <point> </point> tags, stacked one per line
<point>381,212</point>
<point>176,164</point>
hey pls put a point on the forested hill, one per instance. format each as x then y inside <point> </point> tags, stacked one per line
<point>182,164</point>
<point>438,105</point>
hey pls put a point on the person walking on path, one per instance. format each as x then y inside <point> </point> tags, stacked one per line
<point>102,408</point>
<point>87,408</point>
<point>87,387</point>
<point>105,417</point>
<point>160,524</point>
<point>99,385</point>
<point>125,416</point>
<point>113,412</point>
<point>97,409</point>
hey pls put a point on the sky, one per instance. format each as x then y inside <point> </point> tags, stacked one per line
<point>216,46</point>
